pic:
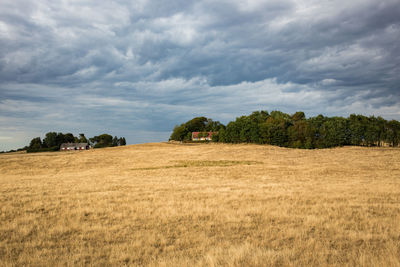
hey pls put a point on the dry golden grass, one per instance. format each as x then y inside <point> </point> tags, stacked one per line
<point>201,205</point>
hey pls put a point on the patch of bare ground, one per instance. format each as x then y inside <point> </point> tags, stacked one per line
<point>201,205</point>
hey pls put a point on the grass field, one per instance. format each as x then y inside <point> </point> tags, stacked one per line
<point>201,205</point>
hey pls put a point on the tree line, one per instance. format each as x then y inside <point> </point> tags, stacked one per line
<point>296,131</point>
<point>53,141</point>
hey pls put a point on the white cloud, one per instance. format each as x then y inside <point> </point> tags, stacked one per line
<point>147,65</point>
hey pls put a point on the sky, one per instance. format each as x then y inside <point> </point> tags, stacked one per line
<point>138,68</point>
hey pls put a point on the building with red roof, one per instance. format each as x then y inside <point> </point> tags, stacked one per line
<point>202,136</point>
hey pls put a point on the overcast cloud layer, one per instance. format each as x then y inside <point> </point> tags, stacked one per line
<point>137,69</point>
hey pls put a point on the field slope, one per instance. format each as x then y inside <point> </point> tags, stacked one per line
<point>205,205</point>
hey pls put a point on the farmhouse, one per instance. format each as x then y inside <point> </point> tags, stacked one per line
<point>202,136</point>
<point>74,146</point>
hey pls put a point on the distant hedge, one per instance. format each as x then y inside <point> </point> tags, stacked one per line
<point>53,141</point>
<point>296,131</point>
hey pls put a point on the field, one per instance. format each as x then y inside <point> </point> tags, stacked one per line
<point>201,205</point>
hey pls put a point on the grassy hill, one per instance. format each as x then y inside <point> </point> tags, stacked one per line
<point>205,205</point>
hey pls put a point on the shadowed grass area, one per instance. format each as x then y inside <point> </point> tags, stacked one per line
<point>202,163</point>
<point>218,163</point>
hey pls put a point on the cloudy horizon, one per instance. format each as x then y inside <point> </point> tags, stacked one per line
<point>137,69</point>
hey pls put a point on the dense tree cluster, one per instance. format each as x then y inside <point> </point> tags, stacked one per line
<point>184,131</point>
<point>106,140</point>
<point>296,131</point>
<point>53,141</point>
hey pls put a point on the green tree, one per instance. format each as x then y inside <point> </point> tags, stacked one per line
<point>372,132</point>
<point>115,141</point>
<point>222,135</point>
<point>299,134</point>
<point>279,115</point>
<point>122,141</point>
<point>51,140</point>
<point>249,132</point>
<point>35,144</point>
<point>259,116</point>
<point>179,133</point>
<point>299,115</point>
<point>393,132</point>
<point>69,138</point>
<point>197,124</point>
<point>232,132</point>
<point>274,130</point>
<point>60,139</point>
<point>334,132</point>
<point>103,140</point>
<point>357,128</point>
<point>314,136</point>
<point>82,138</point>
<point>212,126</point>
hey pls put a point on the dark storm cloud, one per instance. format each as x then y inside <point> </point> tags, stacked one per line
<point>138,68</point>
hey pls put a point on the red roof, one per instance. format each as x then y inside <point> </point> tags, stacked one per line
<point>196,134</point>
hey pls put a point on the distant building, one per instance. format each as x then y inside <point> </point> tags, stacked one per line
<point>74,146</point>
<point>202,136</point>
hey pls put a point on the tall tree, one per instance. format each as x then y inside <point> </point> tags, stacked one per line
<point>232,132</point>
<point>299,134</point>
<point>357,128</point>
<point>51,140</point>
<point>35,144</point>
<point>372,131</point>
<point>82,138</point>
<point>122,141</point>
<point>274,130</point>
<point>115,141</point>
<point>299,115</point>
<point>197,124</point>
<point>179,133</point>
<point>334,132</point>
<point>393,133</point>
<point>69,138</point>
<point>103,140</point>
<point>222,135</point>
